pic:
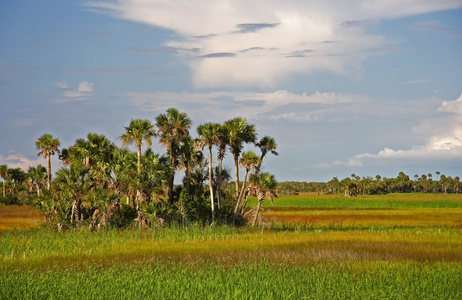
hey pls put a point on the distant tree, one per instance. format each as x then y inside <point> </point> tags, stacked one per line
<point>47,145</point>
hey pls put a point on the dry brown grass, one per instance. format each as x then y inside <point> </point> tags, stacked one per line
<point>18,217</point>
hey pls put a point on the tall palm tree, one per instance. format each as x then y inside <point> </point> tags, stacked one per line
<point>239,132</point>
<point>208,133</point>
<point>47,145</point>
<point>264,185</point>
<point>136,132</point>
<point>222,143</point>
<point>249,160</point>
<point>173,127</point>
<point>267,145</point>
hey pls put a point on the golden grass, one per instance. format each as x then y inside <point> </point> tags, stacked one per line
<point>18,217</point>
<point>280,247</point>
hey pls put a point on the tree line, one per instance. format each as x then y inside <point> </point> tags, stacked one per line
<point>101,184</point>
<point>425,183</point>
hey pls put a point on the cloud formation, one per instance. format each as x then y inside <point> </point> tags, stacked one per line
<point>445,143</point>
<point>83,92</point>
<point>237,43</point>
<point>223,105</point>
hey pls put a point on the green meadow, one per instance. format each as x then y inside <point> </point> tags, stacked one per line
<point>397,246</point>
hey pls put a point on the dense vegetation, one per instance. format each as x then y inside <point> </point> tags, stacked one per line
<point>101,184</point>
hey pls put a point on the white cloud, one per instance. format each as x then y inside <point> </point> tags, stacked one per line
<point>445,143</point>
<point>83,92</point>
<point>242,43</point>
<point>20,161</point>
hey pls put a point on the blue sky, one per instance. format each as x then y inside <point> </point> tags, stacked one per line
<point>364,87</point>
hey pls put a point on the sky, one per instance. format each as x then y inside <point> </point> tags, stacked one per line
<point>361,87</point>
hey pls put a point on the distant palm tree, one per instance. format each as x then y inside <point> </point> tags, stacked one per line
<point>173,127</point>
<point>239,132</point>
<point>267,145</point>
<point>208,136</point>
<point>48,146</point>
<point>264,186</point>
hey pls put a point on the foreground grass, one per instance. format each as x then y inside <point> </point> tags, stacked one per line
<point>322,280</point>
<point>409,251</point>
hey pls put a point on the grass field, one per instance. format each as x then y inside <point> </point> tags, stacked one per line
<point>398,248</point>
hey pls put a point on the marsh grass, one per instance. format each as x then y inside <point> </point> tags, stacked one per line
<point>360,252</point>
<point>322,280</point>
<point>411,201</point>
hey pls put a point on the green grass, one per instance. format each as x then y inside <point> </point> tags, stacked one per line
<point>323,280</point>
<point>418,258</point>
<point>412,200</point>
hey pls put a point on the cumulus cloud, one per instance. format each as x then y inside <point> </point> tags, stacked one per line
<point>236,43</point>
<point>445,143</point>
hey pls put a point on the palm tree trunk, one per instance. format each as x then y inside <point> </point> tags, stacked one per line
<point>236,208</point>
<point>236,170</point>
<point>210,183</point>
<point>220,164</point>
<point>260,200</point>
<point>172,179</point>
<point>49,172</point>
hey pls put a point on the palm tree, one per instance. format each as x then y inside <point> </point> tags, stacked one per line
<point>4,176</point>
<point>222,143</point>
<point>96,153</point>
<point>208,133</point>
<point>264,185</point>
<point>48,146</point>
<point>249,160</point>
<point>173,127</point>
<point>266,144</point>
<point>36,176</point>
<point>75,183</point>
<point>136,132</point>
<point>239,132</point>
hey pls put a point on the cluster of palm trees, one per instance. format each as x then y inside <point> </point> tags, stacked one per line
<point>96,173</point>
<point>401,184</point>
